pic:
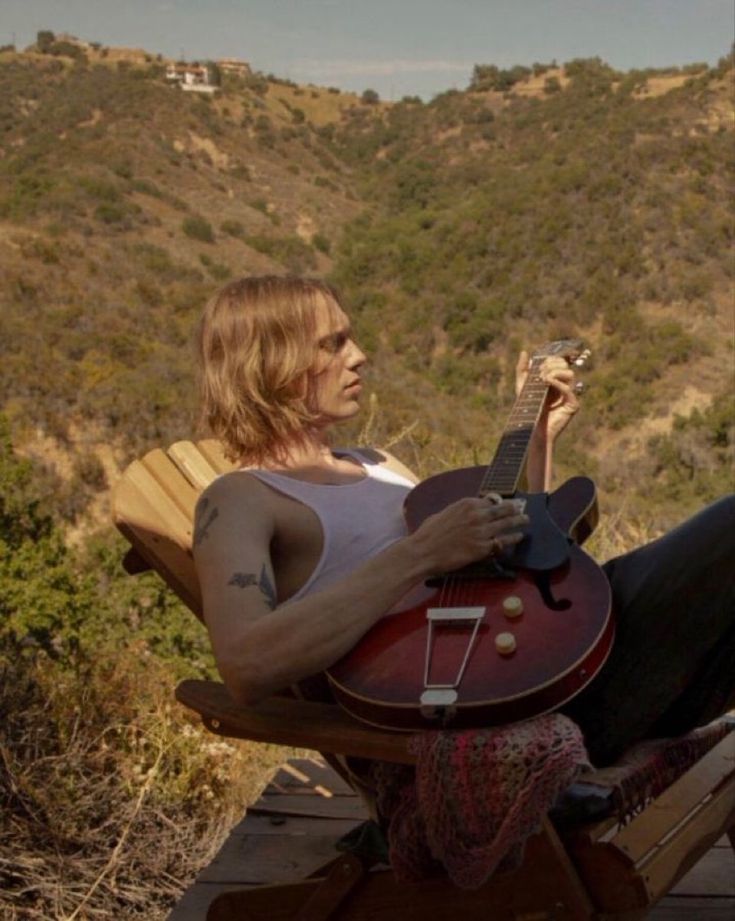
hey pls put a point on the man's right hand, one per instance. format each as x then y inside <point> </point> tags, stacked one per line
<point>468,530</point>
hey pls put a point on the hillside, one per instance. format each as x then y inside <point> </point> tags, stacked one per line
<point>562,200</point>
<point>558,201</point>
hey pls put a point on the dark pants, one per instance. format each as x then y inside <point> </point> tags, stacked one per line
<point>673,662</point>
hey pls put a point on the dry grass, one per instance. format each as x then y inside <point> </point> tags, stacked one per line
<point>111,799</point>
<point>620,531</point>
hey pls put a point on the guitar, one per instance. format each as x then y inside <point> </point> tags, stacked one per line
<point>505,639</point>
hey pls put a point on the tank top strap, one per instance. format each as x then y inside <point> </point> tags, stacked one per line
<point>357,519</point>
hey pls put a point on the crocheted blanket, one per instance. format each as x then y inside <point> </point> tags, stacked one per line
<point>476,796</point>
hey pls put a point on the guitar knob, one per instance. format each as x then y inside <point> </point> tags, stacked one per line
<point>505,643</point>
<point>512,607</point>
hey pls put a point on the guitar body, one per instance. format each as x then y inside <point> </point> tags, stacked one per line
<point>562,637</point>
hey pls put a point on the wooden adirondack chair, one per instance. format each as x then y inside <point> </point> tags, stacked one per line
<point>597,870</point>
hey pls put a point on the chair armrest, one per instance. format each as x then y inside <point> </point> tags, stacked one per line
<point>323,727</point>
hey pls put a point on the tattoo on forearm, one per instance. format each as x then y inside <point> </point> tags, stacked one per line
<point>204,519</point>
<point>245,579</point>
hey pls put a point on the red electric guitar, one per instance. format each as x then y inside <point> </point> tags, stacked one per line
<point>505,639</point>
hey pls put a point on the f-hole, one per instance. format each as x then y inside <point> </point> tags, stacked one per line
<point>543,584</point>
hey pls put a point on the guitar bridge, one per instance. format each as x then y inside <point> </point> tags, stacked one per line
<point>438,700</point>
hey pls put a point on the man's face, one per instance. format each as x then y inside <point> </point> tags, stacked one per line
<point>334,385</point>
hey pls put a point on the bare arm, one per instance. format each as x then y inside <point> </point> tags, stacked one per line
<point>261,646</point>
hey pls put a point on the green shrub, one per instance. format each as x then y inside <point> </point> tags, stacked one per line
<point>198,228</point>
<point>232,228</point>
<point>112,213</point>
<point>295,255</point>
<point>217,270</point>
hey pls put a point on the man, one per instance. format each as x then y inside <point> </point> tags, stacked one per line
<point>303,549</point>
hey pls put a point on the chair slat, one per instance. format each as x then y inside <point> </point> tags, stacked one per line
<point>677,801</point>
<point>213,451</point>
<point>670,862</point>
<point>190,461</point>
<point>176,486</point>
<point>157,528</point>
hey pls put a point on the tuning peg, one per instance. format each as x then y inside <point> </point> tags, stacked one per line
<point>582,360</point>
<point>579,388</point>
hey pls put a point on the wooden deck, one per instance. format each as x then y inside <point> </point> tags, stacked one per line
<point>291,831</point>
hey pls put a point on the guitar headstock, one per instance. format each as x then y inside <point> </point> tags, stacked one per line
<point>572,350</point>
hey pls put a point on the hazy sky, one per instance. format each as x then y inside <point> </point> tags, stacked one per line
<point>396,47</point>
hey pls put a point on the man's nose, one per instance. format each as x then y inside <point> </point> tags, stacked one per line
<point>356,357</point>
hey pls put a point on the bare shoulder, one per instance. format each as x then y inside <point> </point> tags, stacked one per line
<point>231,504</point>
<point>390,461</point>
<point>234,486</point>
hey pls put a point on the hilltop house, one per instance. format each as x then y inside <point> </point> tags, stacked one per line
<point>194,78</point>
<point>234,66</point>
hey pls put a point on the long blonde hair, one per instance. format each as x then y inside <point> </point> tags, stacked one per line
<point>256,348</point>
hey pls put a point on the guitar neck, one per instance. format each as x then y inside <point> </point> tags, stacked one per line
<point>504,472</point>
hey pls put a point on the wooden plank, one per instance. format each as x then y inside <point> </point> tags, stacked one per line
<point>673,805</point>
<point>157,529</point>
<point>174,485</point>
<point>336,807</point>
<point>140,501</point>
<point>192,464</point>
<point>713,875</point>
<point>213,451</point>
<point>195,902</point>
<point>681,851</point>
<point>262,825</point>
<point>700,909</point>
<point>320,778</point>
<point>297,723</point>
<point>257,861</point>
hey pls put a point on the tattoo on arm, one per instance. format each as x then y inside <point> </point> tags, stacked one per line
<point>245,579</point>
<point>204,519</point>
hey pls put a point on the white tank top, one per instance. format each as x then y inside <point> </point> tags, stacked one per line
<point>358,519</point>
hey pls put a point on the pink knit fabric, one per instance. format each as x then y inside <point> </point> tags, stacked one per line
<point>476,796</point>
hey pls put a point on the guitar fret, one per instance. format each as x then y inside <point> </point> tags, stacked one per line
<point>505,469</point>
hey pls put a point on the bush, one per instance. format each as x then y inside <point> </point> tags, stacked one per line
<point>44,40</point>
<point>295,255</point>
<point>232,228</point>
<point>112,213</point>
<point>198,228</point>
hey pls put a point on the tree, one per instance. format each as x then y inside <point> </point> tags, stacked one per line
<point>370,97</point>
<point>44,40</point>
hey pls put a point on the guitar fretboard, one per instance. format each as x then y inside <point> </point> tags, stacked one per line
<point>505,469</point>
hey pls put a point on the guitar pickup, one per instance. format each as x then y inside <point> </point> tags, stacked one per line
<point>490,568</point>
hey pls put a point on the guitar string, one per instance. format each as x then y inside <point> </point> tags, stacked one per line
<point>452,586</point>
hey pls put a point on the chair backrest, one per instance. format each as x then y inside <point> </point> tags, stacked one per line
<point>153,507</point>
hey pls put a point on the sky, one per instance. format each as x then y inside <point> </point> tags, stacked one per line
<point>396,47</point>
